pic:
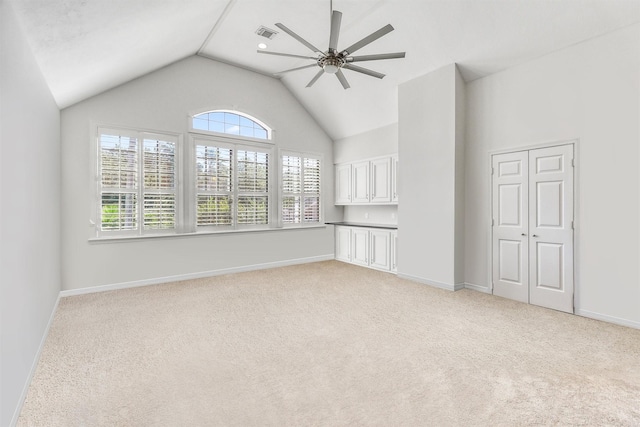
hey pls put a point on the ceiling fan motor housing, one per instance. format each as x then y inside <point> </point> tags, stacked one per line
<point>331,63</point>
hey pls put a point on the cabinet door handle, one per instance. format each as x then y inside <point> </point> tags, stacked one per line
<point>523,234</point>
<point>535,235</point>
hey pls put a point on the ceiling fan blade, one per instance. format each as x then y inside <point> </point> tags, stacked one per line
<point>336,19</point>
<point>363,70</point>
<point>376,57</point>
<point>365,41</point>
<point>343,79</point>
<point>298,68</point>
<point>315,78</point>
<point>297,37</point>
<point>286,54</point>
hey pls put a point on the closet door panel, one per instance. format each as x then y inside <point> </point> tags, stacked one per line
<point>510,225</point>
<point>551,227</point>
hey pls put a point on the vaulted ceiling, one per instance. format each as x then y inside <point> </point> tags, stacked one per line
<point>85,47</point>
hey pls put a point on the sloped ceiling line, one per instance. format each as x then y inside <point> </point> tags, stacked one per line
<point>217,25</point>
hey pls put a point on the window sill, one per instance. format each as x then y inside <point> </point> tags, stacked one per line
<point>118,239</point>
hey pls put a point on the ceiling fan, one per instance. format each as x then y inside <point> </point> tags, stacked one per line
<point>333,61</point>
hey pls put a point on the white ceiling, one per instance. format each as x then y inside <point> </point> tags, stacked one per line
<point>87,46</point>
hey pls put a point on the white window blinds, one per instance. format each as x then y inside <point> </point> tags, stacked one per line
<point>232,185</point>
<point>301,187</point>
<point>137,181</point>
<point>253,187</point>
<point>214,186</point>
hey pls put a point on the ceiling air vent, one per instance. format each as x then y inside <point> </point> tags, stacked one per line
<point>266,32</point>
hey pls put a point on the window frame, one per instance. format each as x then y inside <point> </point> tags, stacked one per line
<point>270,131</point>
<point>95,218</point>
<point>235,144</point>
<point>281,194</point>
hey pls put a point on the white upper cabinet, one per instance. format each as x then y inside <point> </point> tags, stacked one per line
<point>381,181</point>
<point>360,182</point>
<point>371,181</point>
<point>343,184</point>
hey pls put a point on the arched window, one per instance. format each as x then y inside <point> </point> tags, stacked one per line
<point>231,123</point>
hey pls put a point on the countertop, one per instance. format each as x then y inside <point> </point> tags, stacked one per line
<point>359,224</point>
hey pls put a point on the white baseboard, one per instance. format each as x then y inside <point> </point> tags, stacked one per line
<point>34,365</point>
<point>479,288</point>
<point>607,318</point>
<point>434,283</point>
<point>199,275</point>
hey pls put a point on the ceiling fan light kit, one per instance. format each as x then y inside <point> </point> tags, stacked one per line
<point>333,61</point>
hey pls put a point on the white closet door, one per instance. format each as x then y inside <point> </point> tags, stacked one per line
<point>510,228</point>
<point>551,227</point>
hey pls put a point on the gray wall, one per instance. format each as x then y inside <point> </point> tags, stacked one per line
<point>430,146</point>
<point>589,92</point>
<point>163,101</point>
<point>29,212</point>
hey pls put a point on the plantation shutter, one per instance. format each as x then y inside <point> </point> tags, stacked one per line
<point>214,186</point>
<point>300,189</point>
<point>311,190</point>
<point>159,177</point>
<point>291,187</point>
<point>118,169</point>
<point>137,181</point>
<point>253,187</point>
<point>232,185</point>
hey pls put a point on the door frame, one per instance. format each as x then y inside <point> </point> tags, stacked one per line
<point>576,212</point>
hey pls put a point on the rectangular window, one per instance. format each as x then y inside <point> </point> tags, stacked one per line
<point>137,182</point>
<point>232,185</point>
<point>301,188</point>
<point>214,186</point>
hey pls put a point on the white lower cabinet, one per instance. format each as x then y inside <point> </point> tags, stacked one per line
<point>368,247</point>
<point>394,251</point>
<point>360,246</point>
<point>380,249</point>
<point>343,244</point>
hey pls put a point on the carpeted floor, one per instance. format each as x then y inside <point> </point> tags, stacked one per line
<point>327,344</point>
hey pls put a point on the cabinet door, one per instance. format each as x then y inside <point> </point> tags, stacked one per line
<point>380,249</point>
<point>381,180</point>
<point>343,243</point>
<point>394,251</point>
<point>360,246</point>
<point>343,184</point>
<point>394,179</point>
<point>360,182</point>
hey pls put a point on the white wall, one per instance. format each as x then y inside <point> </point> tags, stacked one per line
<point>29,212</point>
<point>459,187</point>
<point>162,101</point>
<point>589,92</point>
<point>378,142</point>
<point>430,141</point>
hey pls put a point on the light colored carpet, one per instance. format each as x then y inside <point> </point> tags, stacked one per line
<point>327,344</point>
